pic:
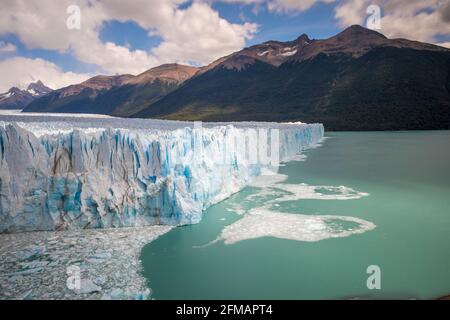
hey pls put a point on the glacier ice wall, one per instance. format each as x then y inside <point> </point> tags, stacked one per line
<point>69,175</point>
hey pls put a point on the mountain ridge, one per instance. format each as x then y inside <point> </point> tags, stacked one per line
<point>116,95</point>
<point>355,80</point>
<point>16,98</point>
<point>322,82</point>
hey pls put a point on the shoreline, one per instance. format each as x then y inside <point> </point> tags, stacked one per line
<point>106,262</point>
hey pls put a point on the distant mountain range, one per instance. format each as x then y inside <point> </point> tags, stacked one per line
<point>122,95</point>
<point>356,80</point>
<point>17,98</point>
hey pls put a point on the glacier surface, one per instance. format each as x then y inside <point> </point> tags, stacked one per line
<point>92,172</point>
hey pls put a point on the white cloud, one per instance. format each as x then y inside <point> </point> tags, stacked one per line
<point>199,34</point>
<point>444,44</point>
<point>280,6</point>
<point>7,47</point>
<point>21,71</point>
<point>293,5</point>
<point>196,33</point>
<point>421,20</point>
<point>240,1</point>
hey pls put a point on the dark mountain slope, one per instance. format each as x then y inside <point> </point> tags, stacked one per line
<point>116,95</point>
<point>368,84</point>
<point>131,98</point>
<point>390,89</point>
<point>356,80</point>
<point>76,98</point>
<point>204,94</point>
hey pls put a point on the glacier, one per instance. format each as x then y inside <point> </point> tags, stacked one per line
<point>77,172</point>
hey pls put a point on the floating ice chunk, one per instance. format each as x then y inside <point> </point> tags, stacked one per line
<point>24,295</point>
<point>34,264</point>
<point>263,222</point>
<point>87,286</point>
<point>304,192</point>
<point>143,295</point>
<point>264,195</point>
<point>237,208</point>
<point>273,191</point>
<point>30,252</point>
<point>101,255</point>
<point>117,294</point>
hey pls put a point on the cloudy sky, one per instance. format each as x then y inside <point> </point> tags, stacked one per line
<point>41,39</point>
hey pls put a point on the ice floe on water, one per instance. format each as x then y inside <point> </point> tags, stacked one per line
<point>263,222</point>
<point>237,208</point>
<point>272,184</point>
<point>304,192</point>
<point>37,265</point>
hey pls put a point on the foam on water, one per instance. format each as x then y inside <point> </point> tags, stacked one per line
<point>263,222</point>
<point>271,185</point>
<point>306,192</point>
<point>237,208</point>
<point>266,222</point>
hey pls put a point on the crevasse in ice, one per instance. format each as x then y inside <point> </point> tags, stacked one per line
<point>57,175</point>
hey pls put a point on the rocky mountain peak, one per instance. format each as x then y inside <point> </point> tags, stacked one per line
<point>357,31</point>
<point>303,39</point>
<point>17,98</point>
<point>38,88</point>
<point>172,72</point>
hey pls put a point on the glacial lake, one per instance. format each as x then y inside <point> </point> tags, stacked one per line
<point>390,194</point>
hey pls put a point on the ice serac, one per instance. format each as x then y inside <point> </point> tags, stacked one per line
<point>57,175</point>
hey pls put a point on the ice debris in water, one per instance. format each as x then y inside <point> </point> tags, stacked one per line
<point>303,192</point>
<point>34,265</point>
<point>263,222</point>
<point>266,222</point>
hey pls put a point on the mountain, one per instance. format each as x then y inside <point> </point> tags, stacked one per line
<point>76,98</point>
<point>16,98</point>
<point>117,95</point>
<point>356,80</point>
<point>38,89</point>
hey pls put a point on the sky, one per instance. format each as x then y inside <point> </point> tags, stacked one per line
<point>62,42</point>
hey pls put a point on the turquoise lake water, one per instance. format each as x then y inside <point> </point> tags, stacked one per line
<point>407,177</point>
